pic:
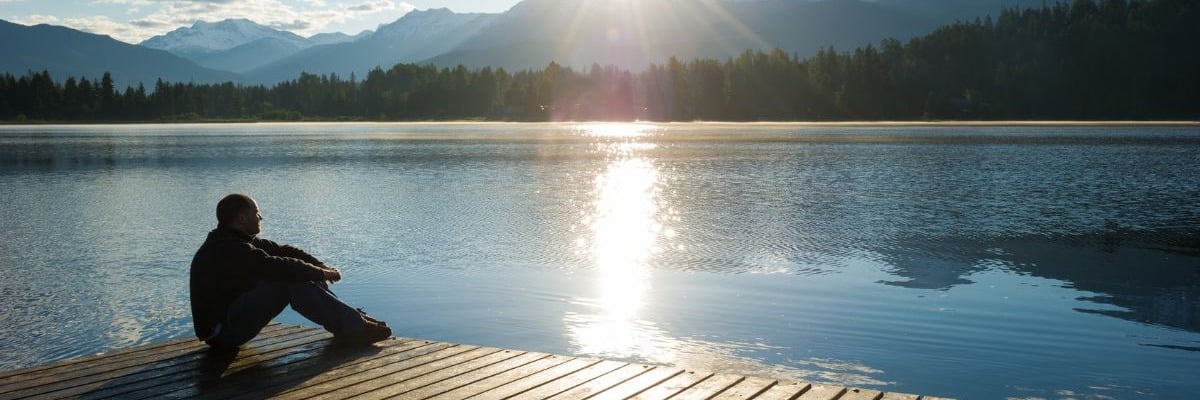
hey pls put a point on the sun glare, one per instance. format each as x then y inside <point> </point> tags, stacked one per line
<point>646,26</point>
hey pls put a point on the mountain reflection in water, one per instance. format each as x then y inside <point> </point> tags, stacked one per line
<point>1152,276</point>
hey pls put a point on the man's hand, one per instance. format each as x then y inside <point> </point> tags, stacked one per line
<point>332,274</point>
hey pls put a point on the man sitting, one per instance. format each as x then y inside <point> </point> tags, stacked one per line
<point>239,282</point>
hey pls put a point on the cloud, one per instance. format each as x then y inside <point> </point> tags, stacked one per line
<point>124,2</point>
<point>100,25</point>
<point>372,6</point>
<point>304,18</point>
<point>36,19</point>
<point>296,25</point>
<point>145,2</point>
<point>150,25</point>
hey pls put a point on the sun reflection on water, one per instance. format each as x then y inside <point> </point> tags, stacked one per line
<point>624,234</point>
<point>622,238</point>
<point>628,226</point>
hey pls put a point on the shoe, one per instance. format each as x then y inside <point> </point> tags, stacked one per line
<point>368,317</point>
<point>371,332</point>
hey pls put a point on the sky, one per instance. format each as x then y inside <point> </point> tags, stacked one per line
<point>133,21</point>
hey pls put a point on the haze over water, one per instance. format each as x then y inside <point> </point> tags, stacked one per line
<point>972,262</point>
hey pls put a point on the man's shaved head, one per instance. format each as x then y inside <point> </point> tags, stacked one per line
<point>233,206</point>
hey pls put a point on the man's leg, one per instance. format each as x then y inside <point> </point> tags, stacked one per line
<point>251,312</point>
<point>314,301</point>
<point>255,309</point>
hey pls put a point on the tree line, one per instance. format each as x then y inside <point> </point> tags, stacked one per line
<point>1087,59</point>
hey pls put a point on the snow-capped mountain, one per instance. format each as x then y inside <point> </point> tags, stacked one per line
<point>210,37</point>
<point>237,45</point>
<point>337,37</point>
<point>416,36</point>
<point>419,35</point>
<point>427,24</point>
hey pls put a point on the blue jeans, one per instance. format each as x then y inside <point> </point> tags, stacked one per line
<point>254,309</point>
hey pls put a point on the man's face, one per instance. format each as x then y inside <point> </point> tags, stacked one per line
<point>251,221</point>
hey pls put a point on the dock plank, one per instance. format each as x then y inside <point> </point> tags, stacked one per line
<point>465,377</point>
<point>166,380</point>
<point>899,396</point>
<point>567,382</point>
<point>387,375</point>
<point>505,378</point>
<point>531,381</point>
<point>266,381</point>
<point>131,368</point>
<point>149,352</point>
<point>670,387</point>
<point>405,381</point>
<point>603,382</point>
<point>638,384</point>
<point>822,392</point>
<point>709,387</point>
<point>746,389</point>
<point>861,394</point>
<point>287,361</point>
<point>118,354</point>
<point>341,378</point>
<point>786,391</point>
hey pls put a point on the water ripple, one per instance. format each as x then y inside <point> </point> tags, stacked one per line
<point>877,256</point>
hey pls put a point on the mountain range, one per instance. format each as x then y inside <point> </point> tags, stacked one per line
<point>417,36</point>
<point>629,34</point>
<point>238,45</point>
<point>67,52</point>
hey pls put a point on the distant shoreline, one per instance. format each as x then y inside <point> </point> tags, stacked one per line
<point>948,123</point>
<point>1047,123</point>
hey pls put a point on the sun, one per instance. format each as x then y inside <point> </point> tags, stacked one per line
<point>647,24</point>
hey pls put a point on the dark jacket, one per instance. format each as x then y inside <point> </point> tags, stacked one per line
<point>229,263</point>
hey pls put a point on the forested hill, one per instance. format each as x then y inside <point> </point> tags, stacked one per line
<point>1108,59</point>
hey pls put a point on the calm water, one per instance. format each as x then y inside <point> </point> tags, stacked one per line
<point>977,262</point>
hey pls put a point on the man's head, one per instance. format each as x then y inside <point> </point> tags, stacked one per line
<point>239,212</point>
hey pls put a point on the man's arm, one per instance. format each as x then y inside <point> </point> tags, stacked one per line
<point>264,266</point>
<point>283,250</point>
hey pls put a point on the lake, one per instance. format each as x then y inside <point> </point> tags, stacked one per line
<point>959,261</point>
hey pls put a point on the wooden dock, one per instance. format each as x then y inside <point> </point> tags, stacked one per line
<point>287,361</point>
